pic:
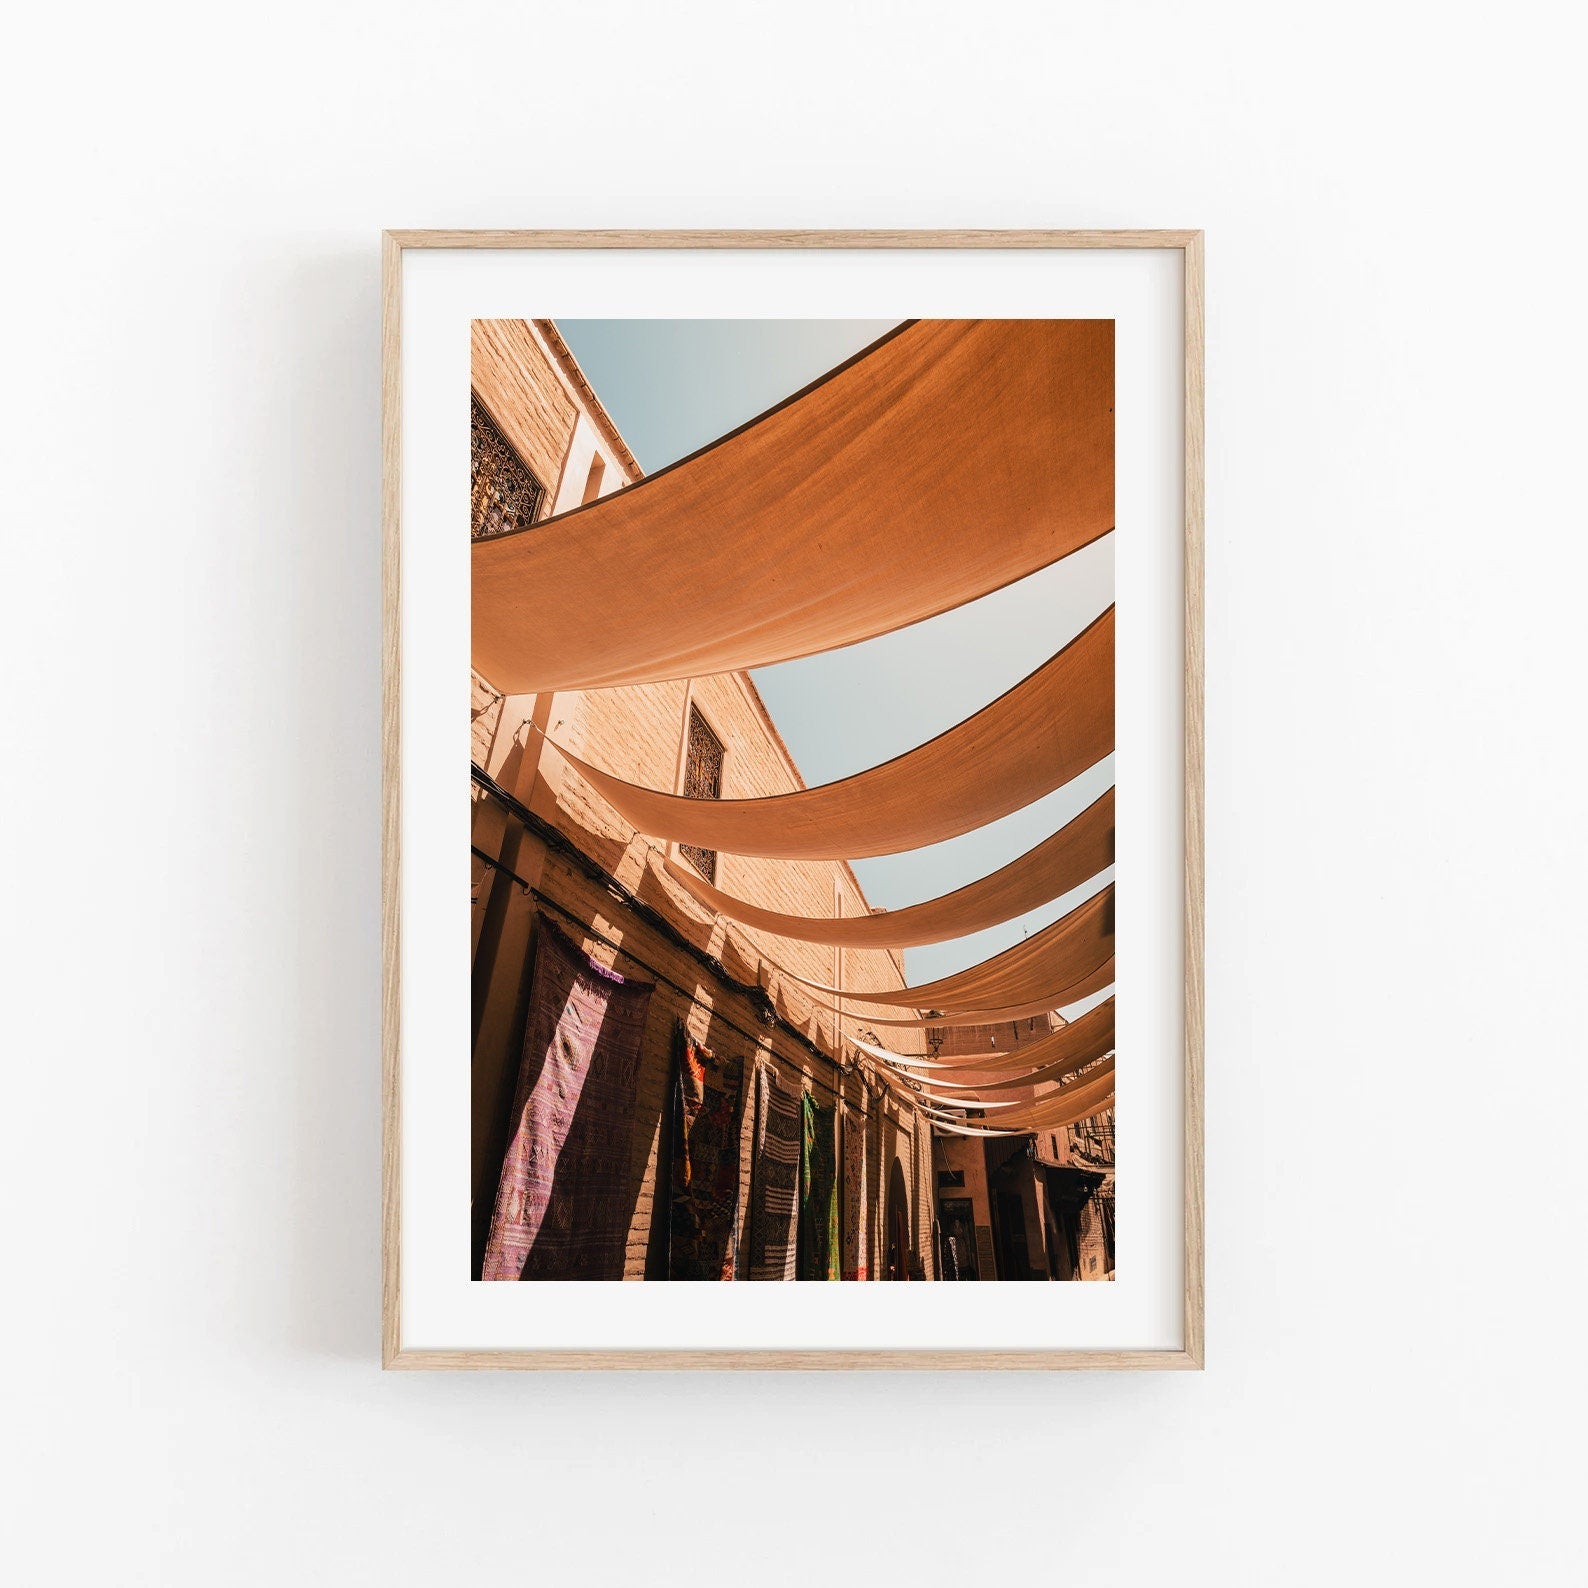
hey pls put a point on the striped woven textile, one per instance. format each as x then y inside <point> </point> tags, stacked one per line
<point>818,1230</point>
<point>855,1198</point>
<point>565,1200</point>
<point>774,1190</point>
<point>874,1187</point>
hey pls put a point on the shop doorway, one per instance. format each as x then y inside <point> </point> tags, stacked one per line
<point>958,1217</point>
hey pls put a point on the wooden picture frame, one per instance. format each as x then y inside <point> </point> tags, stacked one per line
<point>396,245</point>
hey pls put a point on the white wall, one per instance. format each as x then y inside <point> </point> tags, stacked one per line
<point>582,452</point>
<point>188,620</point>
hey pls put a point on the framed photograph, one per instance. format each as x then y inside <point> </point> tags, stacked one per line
<point>821,615</point>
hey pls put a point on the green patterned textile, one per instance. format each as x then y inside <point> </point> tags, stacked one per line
<point>818,1227</point>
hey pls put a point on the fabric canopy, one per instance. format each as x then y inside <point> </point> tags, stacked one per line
<point>1058,1071</point>
<point>958,1102</point>
<point>1078,851</point>
<point>1047,1059</point>
<point>1047,729</point>
<point>970,1019</point>
<point>1073,1101</point>
<point>909,1063</point>
<point>802,531</point>
<point>959,1128</point>
<point>1066,1089</point>
<point>1081,1108</point>
<point>1059,1107</point>
<point>1060,955</point>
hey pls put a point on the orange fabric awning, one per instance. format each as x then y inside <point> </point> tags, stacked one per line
<point>959,1102</point>
<point>1047,729</point>
<point>802,531</point>
<point>1078,851</point>
<point>1082,1096</point>
<point>1048,1004</point>
<point>1084,1092</point>
<point>957,1128</point>
<point>1060,955</point>
<point>1082,1108</point>
<point>1050,1058</point>
<point>1072,1093</point>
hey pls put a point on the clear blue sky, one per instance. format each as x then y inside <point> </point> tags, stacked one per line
<point>673,386</point>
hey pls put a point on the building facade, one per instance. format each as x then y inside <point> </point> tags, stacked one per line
<point>546,849</point>
<point>1031,1207</point>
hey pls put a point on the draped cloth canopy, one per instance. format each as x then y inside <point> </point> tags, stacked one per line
<point>1081,1106</point>
<point>1060,956</point>
<point>1049,1058</point>
<point>957,1128</point>
<point>966,1019</point>
<point>1079,850</point>
<point>802,531</point>
<point>1082,1096</point>
<point>1084,1092</point>
<point>960,1102</point>
<point>1051,726</point>
<point>1074,1093</point>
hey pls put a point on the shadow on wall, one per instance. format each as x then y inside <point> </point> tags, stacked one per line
<point>652,891</point>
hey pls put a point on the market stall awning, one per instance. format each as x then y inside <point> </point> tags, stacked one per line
<point>1049,728</point>
<point>802,531</point>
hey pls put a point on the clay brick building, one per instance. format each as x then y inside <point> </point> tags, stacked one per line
<point>1076,1166</point>
<point>546,845</point>
<point>1031,1207</point>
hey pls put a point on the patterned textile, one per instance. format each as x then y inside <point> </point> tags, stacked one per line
<point>564,1201</point>
<point>951,1262</point>
<point>708,1112</point>
<point>818,1232</point>
<point>874,1186</point>
<point>856,1202</point>
<point>774,1198</point>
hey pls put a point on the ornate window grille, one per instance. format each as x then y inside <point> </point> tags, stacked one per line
<point>702,781</point>
<point>504,494</point>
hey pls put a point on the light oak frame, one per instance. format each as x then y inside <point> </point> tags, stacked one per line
<point>393,1354</point>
